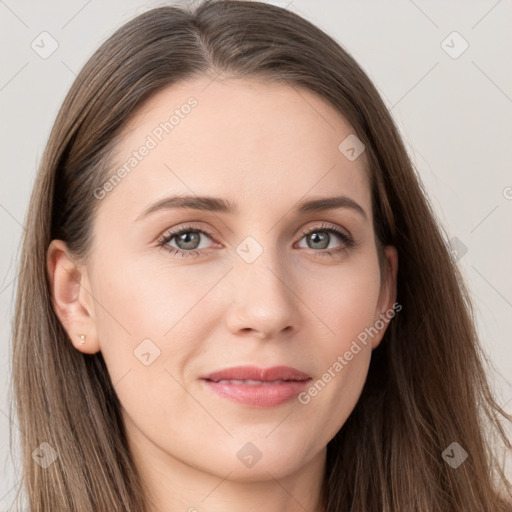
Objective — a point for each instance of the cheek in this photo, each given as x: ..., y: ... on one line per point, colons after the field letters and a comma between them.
x: 345, y: 298
x: 132, y: 318
x: 146, y: 339
x: 145, y: 299
x: 342, y: 363
x: 346, y: 303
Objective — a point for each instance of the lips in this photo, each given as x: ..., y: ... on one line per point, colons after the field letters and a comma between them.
x: 252, y: 375
x: 257, y: 387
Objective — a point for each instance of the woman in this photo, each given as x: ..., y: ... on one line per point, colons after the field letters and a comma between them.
x: 180, y: 343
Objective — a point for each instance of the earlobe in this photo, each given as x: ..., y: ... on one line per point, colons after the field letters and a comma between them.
x: 69, y: 288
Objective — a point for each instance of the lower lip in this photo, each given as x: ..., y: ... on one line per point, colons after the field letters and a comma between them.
x: 256, y: 395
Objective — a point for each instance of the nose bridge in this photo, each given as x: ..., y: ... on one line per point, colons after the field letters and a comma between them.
x: 261, y: 288
x: 262, y: 268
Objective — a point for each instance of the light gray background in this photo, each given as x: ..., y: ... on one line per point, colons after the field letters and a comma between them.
x: 454, y: 114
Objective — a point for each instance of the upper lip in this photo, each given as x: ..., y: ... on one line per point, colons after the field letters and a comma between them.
x: 258, y: 374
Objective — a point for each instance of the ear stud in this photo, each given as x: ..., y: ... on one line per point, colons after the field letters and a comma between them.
x: 82, y: 339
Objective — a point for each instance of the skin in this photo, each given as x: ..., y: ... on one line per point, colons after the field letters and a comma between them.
x: 267, y: 147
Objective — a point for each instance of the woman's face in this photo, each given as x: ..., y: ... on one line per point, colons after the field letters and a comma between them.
x: 244, y: 288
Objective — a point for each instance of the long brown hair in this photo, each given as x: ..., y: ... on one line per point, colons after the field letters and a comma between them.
x: 426, y: 387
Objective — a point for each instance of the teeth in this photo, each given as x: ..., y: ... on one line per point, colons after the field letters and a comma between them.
x: 250, y: 382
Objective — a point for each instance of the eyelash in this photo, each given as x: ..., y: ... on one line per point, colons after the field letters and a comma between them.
x: 347, y: 240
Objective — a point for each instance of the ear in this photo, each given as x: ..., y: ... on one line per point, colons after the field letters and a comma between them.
x: 71, y: 297
x: 386, y: 306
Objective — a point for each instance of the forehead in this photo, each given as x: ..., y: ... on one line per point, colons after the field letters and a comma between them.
x: 257, y: 142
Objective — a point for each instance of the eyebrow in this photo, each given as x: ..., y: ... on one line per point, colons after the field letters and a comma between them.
x: 219, y: 205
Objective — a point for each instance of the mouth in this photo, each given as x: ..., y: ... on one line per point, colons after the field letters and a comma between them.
x: 253, y: 386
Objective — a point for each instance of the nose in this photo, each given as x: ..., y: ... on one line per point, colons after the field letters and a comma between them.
x: 263, y: 301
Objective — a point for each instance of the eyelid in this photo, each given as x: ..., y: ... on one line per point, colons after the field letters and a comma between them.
x: 326, y: 226
x: 170, y: 233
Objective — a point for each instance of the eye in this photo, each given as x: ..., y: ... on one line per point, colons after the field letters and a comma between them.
x: 188, y: 240
x: 322, y: 239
